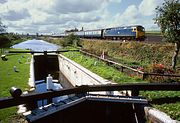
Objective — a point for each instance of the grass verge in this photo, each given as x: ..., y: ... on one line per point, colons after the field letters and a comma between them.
x: 101, y: 68
x: 9, y: 78
x: 166, y: 101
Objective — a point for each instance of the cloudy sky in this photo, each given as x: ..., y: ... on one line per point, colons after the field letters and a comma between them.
x: 54, y: 16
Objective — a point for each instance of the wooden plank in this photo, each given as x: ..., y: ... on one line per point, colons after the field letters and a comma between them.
x: 29, y: 98
x: 118, y: 100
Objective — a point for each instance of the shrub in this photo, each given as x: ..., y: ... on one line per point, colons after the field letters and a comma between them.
x: 71, y: 40
x: 4, y: 41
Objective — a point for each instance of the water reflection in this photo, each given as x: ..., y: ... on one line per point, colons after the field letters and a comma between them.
x: 36, y: 45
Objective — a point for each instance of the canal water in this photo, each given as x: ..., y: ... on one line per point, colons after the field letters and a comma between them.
x: 36, y: 45
x: 42, y: 87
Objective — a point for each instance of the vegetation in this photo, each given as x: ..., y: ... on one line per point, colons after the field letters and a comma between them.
x: 9, y: 78
x: 70, y: 40
x: 2, y: 27
x: 166, y: 101
x: 134, y: 54
x: 100, y: 68
x: 9, y: 39
x: 168, y: 19
x: 157, y: 33
x: 4, y: 41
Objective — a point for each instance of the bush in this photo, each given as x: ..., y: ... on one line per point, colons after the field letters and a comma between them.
x: 71, y: 40
x: 9, y: 39
x: 4, y: 41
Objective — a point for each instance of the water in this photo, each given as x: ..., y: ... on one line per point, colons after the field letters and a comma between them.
x: 41, y: 87
x: 36, y: 45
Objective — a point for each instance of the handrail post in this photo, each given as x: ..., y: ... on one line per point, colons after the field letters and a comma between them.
x: 144, y: 76
x: 134, y: 92
x: 122, y: 69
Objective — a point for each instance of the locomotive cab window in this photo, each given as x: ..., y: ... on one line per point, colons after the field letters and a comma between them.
x: 140, y: 29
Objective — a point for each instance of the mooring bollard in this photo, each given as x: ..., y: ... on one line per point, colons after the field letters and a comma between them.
x: 14, y: 68
x: 15, y: 92
x: 3, y: 57
x: 49, y: 82
x: 19, y: 61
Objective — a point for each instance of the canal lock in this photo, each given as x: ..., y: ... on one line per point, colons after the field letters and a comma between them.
x: 43, y: 65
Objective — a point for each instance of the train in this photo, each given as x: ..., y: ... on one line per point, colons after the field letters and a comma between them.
x: 136, y: 32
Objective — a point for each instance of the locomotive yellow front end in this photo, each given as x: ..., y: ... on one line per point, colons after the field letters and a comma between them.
x: 140, y: 33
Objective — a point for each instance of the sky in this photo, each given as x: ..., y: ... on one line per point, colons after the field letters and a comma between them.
x: 55, y: 16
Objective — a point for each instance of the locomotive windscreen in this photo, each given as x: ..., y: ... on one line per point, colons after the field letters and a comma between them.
x: 140, y: 28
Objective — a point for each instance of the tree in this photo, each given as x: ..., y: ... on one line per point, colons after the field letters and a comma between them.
x: 71, y: 40
x: 2, y: 27
x: 4, y: 40
x: 168, y: 19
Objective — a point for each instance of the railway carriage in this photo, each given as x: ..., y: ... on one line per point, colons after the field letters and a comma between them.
x: 93, y: 33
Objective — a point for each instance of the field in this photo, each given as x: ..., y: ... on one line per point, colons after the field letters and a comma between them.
x: 153, y: 33
x: 9, y: 78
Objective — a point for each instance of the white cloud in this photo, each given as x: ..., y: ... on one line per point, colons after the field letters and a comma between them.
x: 115, y: 1
x: 58, y: 15
x: 128, y: 17
x: 147, y: 7
x: 76, y: 6
x: 51, y: 12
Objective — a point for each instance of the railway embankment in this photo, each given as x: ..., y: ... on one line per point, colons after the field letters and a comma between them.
x: 151, y: 57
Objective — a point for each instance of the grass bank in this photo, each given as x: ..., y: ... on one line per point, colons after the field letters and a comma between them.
x: 133, y: 53
x: 101, y: 68
x: 166, y: 101
x: 9, y: 78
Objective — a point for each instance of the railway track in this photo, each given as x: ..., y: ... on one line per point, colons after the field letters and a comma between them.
x: 154, y: 38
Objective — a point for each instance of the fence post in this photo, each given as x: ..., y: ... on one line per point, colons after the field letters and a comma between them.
x: 122, y: 69
x: 144, y: 76
x: 134, y: 92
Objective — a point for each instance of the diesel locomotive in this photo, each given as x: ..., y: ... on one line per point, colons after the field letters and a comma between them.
x: 136, y: 32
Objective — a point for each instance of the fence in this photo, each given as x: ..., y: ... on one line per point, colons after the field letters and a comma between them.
x: 129, y: 70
